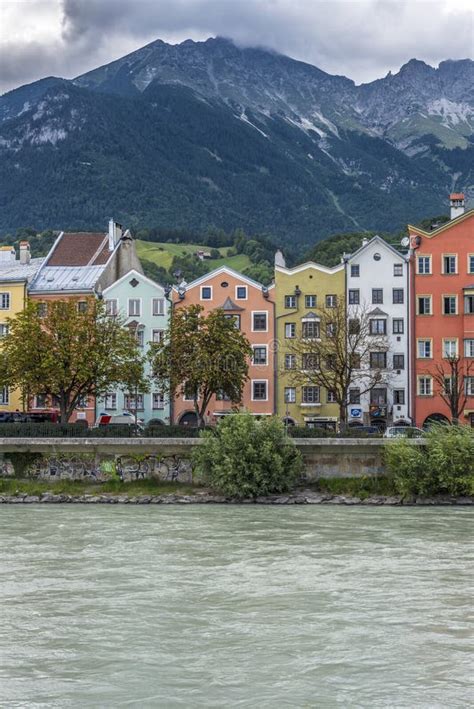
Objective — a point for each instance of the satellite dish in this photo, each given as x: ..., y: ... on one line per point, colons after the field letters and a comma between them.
x: 405, y: 241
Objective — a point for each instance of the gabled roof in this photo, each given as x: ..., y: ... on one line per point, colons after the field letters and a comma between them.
x: 447, y: 225
x: 229, y: 305
x: 309, y: 264
x: 382, y: 243
x: 80, y: 249
x: 133, y: 274
x: 15, y: 272
x: 227, y: 270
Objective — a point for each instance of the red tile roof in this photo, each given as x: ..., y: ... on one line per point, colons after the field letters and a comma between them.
x: 456, y: 195
x: 80, y: 249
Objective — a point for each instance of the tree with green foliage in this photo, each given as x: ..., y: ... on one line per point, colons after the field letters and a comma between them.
x: 69, y: 354
x: 246, y: 457
x: 200, y: 356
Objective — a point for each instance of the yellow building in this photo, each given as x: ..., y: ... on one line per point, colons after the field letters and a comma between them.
x: 15, y: 274
x: 299, y: 292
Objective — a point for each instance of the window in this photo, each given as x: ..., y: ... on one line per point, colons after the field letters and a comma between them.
x: 398, y: 296
x: 469, y: 384
x: 378, y: 396
x: 140, y: 334
x: 41, y: 401
x: 310, y: 361
x: 241, y: 292
x: 290, y: 361
x: 354, y: 396
x: 378, y: 360
x: 450, y: 348
x: 354, y: 296
x: 399, y: 396
x: 42, y: 310
x: 378, y: 326
x: 134, y: 307
x: 4, y: 396
x: 157, y: 335
x: 330, y: 362
x: 206, y: 292
x: 398, y: 269
x: 222, y: 396
x: 290, y: 395
x: 4, y: 330
x: 424, y: 305
x: 290, y: 330
x: 259, y: 322
x: 469, y: 304
x: 448, y: 385
x: 130, y: 404
x: 158, y: 401
x: 331, y: 329
x: 311, y: 330
x: 290, y: 301
x: 4, y: 301
x: 355, y: 270
x: 189, y: 392
x: 82, y: 306
x: 450, y: 304
x: 81, y: 403
x: 260, y: 354
x: 469, y: 348
x: 111, y: 307
x: 354, y: 326
x: 110, y: 402
x: 424, y: 349
x: 158, y: 306
x: 399, y: 361
x: 259, y: 390
x: 425, y: 386
x: 377, y: 296
x: 470, y: 263
x: 331, y: 396
x: 423, y: 265
x: 331, y: 300
x: 450, y: 264
x: 355, y: 360
x: 310, y: 395
x: 310, y: 301
x: 398, y: 326
x: 235, y: 318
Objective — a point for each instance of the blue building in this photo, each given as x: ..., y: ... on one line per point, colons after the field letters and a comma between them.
x: 146, y: 310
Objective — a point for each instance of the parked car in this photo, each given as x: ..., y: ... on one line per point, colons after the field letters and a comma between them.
x: 124, y: 419
x: 403, y: 432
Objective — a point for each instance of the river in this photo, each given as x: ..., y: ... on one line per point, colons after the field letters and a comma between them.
x: 236, y: 606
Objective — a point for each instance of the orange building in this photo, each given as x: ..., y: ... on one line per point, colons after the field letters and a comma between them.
x: 252, y: 306
x: 442, y: 309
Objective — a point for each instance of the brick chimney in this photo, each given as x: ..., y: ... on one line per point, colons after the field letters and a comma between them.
x: 456, y: 201
x: 25, y: 254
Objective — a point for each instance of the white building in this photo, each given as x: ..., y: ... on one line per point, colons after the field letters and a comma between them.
x: 377, y: 283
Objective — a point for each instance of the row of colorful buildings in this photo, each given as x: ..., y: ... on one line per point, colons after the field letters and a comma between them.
x: 419, y: 302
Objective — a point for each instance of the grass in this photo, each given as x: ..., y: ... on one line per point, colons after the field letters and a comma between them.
x: 14, y: 486
x: 355, y: 487
x: 162, y: 254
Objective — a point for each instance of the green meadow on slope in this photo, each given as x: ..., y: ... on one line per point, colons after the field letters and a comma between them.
x: 162, y: 254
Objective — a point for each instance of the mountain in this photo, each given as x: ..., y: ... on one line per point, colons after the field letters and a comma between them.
x: 211, y: 134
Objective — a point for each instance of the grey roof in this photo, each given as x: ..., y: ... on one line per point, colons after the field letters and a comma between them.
x: 16, y: 271
x: 378, y: 311
x: 230, y: 305
x: 66, y: 278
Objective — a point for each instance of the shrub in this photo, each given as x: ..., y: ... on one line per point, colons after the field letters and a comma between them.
x: 244, y: 457
x: 444, y: 466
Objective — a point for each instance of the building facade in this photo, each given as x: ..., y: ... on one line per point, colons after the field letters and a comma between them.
x: 145, y: 309
x: 377, y: 288
x: 442, y: 309
x: 251, y: 305
x: 15, y: 274
x: 299, y: 292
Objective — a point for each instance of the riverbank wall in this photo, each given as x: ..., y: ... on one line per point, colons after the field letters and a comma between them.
x: 130, y: 459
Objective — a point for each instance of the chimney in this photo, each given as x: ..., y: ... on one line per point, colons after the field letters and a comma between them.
x: 365, y: 242
x: 456, y: 201
x: 115, y: 234
x: 25, y: 254
x: 280, y: 259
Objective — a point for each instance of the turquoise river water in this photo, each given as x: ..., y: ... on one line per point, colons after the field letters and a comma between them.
x: 236, y: 606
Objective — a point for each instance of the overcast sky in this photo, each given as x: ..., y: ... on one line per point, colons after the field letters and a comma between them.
x: 362, y: 39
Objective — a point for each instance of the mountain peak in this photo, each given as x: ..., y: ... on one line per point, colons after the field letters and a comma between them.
x: 415, y: 66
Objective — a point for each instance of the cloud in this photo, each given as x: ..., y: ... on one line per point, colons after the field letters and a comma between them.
x: 362, y: 40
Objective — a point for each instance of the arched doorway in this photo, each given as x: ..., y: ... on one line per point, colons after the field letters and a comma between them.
x: 435, y: 418
x: 288, y: 421
x: 188, y: 419
x: 380, y: 423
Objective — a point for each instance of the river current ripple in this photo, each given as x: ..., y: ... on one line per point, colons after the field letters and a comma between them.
x: 236, y: 606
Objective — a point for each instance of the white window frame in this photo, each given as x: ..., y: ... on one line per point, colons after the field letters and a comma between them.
x: 469, y: 385
x: 330, y: 300
x: 291, y: 298
x: 157, y: 394
x: 470, y: 266
x: 246, y: 292
x: 426, y: 296
x: 212, y: 292
x: 114, y: 303
x: 155, y: 330
x: 450, y: 340
x: 289, y: 354
x: 4, y: 396
x: 140, y: 398
x: 310, y: 403
x: 449, y: 273
x: 111, y: 395
x: 423, y: 272
x: 306, y: 299
x: 424, y: 378
x: 260, y: 364
x: 290, y: 399
x: 422, y: 342
x: 135, y: 300
x: 4, y: 329
x: 395, y: 267
x: 5, y: 294
x: 259, y: 381
x: 469, y: 348
x: 292, y: 326
x: 451, y: 296
x: 260, y: 312
x: 163, y: 304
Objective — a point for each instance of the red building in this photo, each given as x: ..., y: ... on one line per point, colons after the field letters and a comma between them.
x: 442, y: 311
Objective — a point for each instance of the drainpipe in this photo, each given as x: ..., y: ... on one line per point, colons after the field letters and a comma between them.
x: 168, y: 291
x: 293, y: 311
